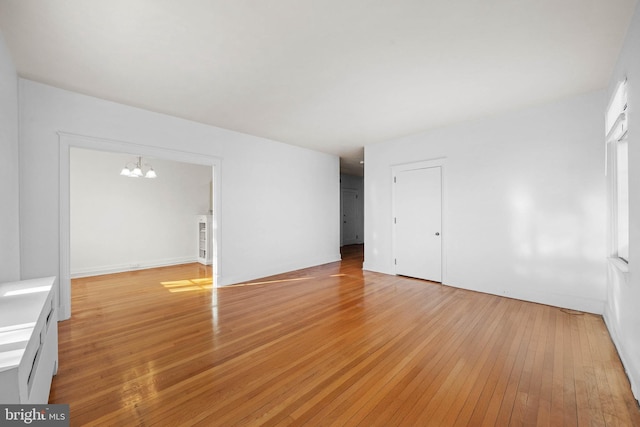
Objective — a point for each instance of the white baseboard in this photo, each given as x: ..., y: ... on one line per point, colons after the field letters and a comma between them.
x: 120, y: 268
x: 376, y: 269
x: 241, y: 278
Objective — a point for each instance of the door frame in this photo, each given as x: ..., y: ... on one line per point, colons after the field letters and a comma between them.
x: 444, y: 232
x: 66, y: 142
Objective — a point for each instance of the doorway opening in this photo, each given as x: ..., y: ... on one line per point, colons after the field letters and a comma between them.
x: 110, y: 149
x: 351, y: 210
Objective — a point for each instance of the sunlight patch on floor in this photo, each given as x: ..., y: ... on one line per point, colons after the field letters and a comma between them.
x: 188, y: 285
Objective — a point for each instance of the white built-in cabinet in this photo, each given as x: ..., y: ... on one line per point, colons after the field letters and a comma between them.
x: 205, y: 236
x: 28, y: 340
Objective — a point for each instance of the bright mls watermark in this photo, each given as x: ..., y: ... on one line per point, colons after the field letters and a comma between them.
x: 34, y: 415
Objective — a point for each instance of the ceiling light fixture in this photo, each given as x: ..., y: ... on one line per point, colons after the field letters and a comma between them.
x: 134, y: 170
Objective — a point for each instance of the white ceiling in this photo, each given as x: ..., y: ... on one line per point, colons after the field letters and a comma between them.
x: 330, y: 75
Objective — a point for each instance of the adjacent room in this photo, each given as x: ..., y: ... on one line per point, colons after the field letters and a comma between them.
x: 336, y: 213
x: 121, y: 222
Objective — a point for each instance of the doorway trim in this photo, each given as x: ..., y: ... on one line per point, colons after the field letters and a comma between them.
x: 423, y: 164
x: 68, y: 140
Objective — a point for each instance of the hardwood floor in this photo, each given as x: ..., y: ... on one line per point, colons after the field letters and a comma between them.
x: 329, y: 345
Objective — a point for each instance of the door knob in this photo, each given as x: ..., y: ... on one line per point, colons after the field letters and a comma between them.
x: 437, y: 234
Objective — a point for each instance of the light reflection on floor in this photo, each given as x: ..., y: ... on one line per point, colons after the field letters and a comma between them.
x: 186, y: 285
x: 189, y: 285
x: 269, y: 282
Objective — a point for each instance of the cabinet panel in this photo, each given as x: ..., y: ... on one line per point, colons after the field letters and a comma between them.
x: 28, y: 340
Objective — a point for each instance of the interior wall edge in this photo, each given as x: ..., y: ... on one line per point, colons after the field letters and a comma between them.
x: 634, y: 377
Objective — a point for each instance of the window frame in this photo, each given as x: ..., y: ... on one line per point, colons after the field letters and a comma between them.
x: 616, y: 119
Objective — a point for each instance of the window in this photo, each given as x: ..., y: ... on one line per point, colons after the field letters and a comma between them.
x: 618, y: 171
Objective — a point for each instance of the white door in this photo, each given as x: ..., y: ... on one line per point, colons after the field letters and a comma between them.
x: 418, y: 222
x: 349, y: 217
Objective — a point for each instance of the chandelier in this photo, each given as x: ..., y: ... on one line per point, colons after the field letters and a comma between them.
x: 135, y: 170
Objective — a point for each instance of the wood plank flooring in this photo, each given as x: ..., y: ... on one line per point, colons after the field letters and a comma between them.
x: 330, y: 345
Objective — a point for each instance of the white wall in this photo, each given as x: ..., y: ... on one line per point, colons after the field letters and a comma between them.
x: 120, y: 223
x: 622, y: 312
x: 9, y: 178
x: 279, y: 203
x: 524, y: 202
x: 353, y: 182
